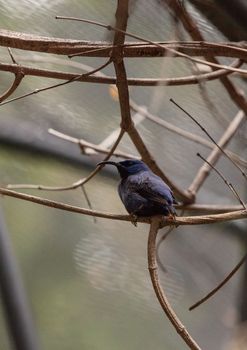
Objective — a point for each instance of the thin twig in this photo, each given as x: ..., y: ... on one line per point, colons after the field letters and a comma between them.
x: 184, y: 133
x: 173, y: 51
x: 210, y: 137
x: 88, y: 201
x: 232, y: 189
x: 76, y: 78
x: 221, y: 284
x: 191, y: 26
x: 11, y: 55
x: 88, y: 145
x: 153, y: 271
x: 74, y: 185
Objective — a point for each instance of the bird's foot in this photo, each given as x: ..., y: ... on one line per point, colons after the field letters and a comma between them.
x: 134, y: 219
x: 172, y: 217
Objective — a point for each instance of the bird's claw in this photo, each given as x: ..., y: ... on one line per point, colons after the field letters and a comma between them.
x: 172, y: 217
x: 134, y: 219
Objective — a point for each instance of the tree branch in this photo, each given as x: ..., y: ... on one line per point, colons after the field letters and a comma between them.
x: 187, y: 80
x: 153, y: 271
x: 217, y: 152
x: 32, y: 42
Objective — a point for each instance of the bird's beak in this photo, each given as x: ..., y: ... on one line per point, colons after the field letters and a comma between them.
x: 119, y: 166
x: 106, y: 162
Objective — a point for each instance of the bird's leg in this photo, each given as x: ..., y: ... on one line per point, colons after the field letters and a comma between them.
x: 134, y: 219
x: 172, y: 216
x: 134, y: 216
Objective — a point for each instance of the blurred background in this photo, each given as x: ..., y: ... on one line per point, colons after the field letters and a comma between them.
x: 87, y: 282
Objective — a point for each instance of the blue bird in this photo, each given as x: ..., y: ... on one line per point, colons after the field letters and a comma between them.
x: 142, y: 192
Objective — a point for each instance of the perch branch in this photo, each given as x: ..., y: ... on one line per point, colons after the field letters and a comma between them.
x: 183, y: 221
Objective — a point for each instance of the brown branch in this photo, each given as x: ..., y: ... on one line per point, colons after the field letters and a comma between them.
x: 153, y: 271
x: 123, y: 94
x: 76, y: 78
x: 76, y: 184
x: 184, y: 133
x: 167, y: 221
x: 220, y: 285
x: 62, y: 46
x: 230, y: 186
x: 166, y: 49
x: 187, y: 80
x: 225, y: 138
x: 190, y: 25
x: 217, y: 152
x: 18, y: 78
x: 209, y: 208
x: 85, y: 145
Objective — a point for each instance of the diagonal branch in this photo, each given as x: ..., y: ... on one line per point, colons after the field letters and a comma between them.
x: 184, y: 133
x: 217, y: 152
x: 123, y: 93
x: 189, y: 24
x: 75, y: 78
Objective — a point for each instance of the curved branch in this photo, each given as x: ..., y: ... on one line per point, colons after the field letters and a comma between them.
x: 75, y: 78
x: 153, y: 271
x: 18, y: 78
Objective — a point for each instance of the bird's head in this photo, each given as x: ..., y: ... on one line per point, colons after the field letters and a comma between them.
x: 128, y: 167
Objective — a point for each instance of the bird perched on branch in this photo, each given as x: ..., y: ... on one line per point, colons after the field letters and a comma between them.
x: 142, y: 192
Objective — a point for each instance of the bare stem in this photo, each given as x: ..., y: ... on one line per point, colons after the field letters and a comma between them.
x: 75, y: 78
x: 230, y: 186
x: 153, y: 271
x: 230, y: 131
x: 173, y: 51
x: 220, y: 285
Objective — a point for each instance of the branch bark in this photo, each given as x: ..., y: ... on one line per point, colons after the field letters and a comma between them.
x: 153, y: 271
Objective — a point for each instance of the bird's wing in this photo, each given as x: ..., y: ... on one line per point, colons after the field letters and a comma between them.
x: 151, y: 187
